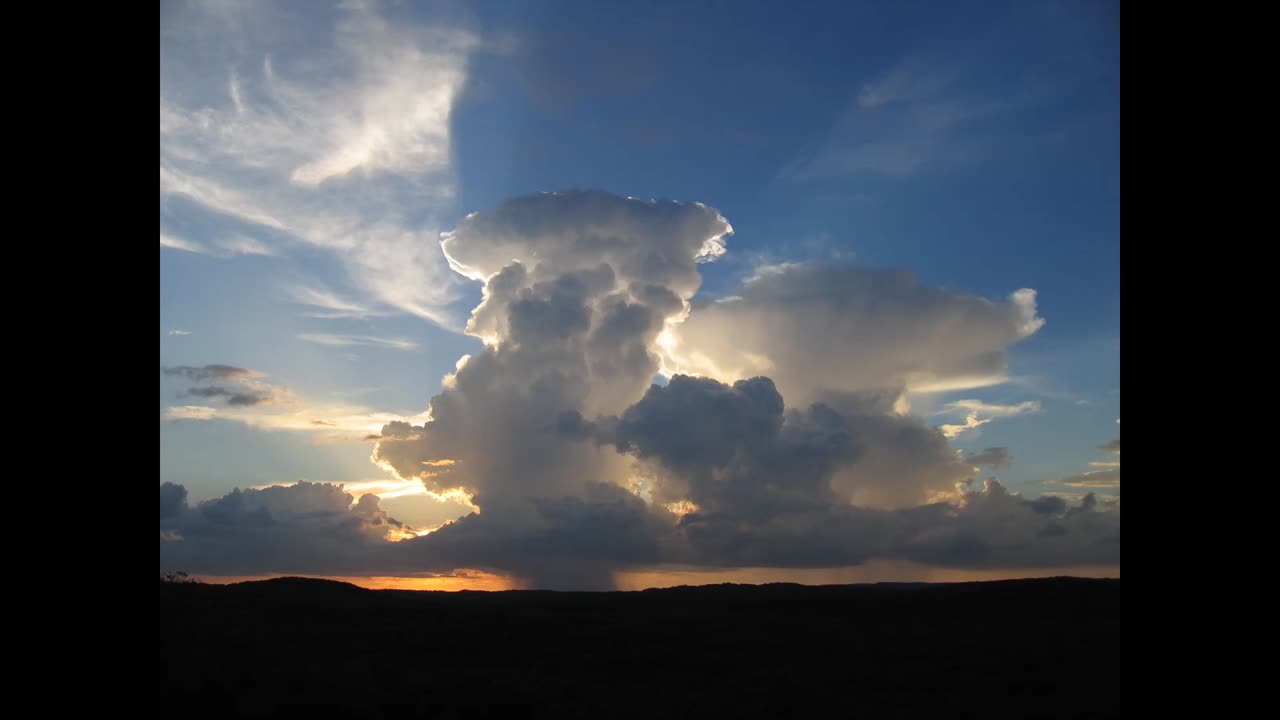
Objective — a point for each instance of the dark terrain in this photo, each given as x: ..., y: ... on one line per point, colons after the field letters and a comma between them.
x: 1024, y: 649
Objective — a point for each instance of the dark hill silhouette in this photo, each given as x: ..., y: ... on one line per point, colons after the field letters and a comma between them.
x: 304, y: 584
x: 1022, y: 648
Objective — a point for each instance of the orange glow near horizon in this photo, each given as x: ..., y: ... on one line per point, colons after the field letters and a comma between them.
x: 871, y: 572
x: 468, y: 580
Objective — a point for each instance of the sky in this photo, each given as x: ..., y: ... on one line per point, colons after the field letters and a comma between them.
x: 583, y: 296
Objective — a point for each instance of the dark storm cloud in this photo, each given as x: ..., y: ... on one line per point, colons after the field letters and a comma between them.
x: 999, y: 528
x: 906, y: 462
x: 236, y: 386
x: 209, y: 372
x: 733, y: 449
x: 578, y: 542
x: 173, y: 500
x: 996, y: 457
x: 563, y: 543
x: 234, y: 397
x: 308, y: 527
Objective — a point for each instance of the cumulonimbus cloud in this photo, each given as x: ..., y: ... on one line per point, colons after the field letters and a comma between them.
x: 579, y: 466
x: 578, y: 286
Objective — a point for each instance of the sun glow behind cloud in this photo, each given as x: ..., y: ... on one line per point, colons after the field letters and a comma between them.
x: 390, y: 488
x: 420, y: 511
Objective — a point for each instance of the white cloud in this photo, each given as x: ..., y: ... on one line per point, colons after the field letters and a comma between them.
x: 1109, y: 478
x: 225, y: 199
x: 226, y: 247
x: 907, y: 82
x: 974, y: 410
x: 248, y: 400
x: 916, y: 117
x: 992, y: 409
x: 331, y: 145
x: 179, y: 332
x: 578, y: 286
x: 387, y: 489
x: 177, y: 243
x: 333, y: 305
x: 332, y: 340
x: 245, y: 245
x: 819, y: 329
x: 190, y: 412
x: 971, y: 421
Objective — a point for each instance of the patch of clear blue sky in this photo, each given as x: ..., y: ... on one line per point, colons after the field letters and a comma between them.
x: 714, y: 101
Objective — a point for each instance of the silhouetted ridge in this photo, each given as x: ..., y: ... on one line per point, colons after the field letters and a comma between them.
x: 298, y: 584
x: 1005, y: 649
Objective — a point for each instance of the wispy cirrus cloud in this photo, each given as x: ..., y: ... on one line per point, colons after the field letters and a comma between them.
x: 333, y: 340
x: 328, y: 304
x: 914, y: 116
x: 179, y: 332
x: 944, y: 108
x: 245, y: 245
x: 911, y: 81
x: 994, y: 410
x: 176, y: 243
x: 1109, y: 478
x: 190, y: 412
x: 328, y: 144
x: 231, y: 246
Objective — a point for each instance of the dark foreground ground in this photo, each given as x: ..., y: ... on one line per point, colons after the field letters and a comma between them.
x: 1024, y: 649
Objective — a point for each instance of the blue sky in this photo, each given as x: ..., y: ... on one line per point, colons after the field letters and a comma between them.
x: 311, y: 155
